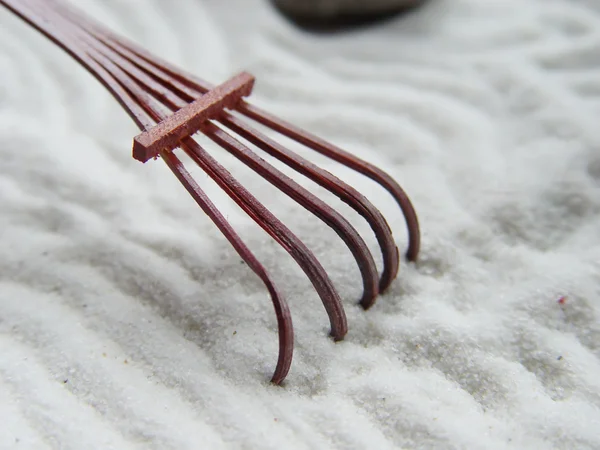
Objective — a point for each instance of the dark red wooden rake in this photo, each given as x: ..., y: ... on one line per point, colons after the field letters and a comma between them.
x: 170, y: 106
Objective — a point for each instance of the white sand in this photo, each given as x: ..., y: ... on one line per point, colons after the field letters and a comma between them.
x: 127, y: 321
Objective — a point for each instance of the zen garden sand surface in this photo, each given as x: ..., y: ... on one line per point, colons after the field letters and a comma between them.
x: 128, y: 321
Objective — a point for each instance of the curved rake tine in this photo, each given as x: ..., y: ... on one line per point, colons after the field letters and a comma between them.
x: 282, y: 311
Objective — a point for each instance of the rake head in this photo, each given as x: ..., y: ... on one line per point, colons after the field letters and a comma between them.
x: 170, y: 106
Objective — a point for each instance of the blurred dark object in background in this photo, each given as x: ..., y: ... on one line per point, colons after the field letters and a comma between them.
x: 333, y: 15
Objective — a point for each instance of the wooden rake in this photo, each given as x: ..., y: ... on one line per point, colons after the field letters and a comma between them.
x: 170, y: 106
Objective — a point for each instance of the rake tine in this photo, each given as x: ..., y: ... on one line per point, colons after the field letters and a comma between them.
x: 282, y: 311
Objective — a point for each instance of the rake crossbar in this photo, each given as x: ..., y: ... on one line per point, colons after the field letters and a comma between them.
x: 184, y: 122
